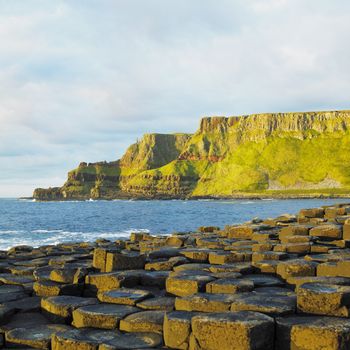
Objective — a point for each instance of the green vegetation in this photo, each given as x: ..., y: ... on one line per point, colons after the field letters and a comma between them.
x: 292, y: 154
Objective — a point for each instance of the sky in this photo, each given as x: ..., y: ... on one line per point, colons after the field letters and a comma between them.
x: 81, y: 80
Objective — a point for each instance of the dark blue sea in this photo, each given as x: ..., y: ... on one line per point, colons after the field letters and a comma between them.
x: 41, y: 223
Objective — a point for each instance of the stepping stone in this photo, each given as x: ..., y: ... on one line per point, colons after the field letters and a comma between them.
x: 166, y: 265
x: 109, y: 281
x: 158, y: 303
x: 130, y: 261
x: 266, y: 266
x: 42, y: 273
x: 211, y: 331
x: 124, y: 296
x: 240, y: 231
x: 177, y: 329
x: 85, y: 339
x: 259, y: 256
x: 164, y: 253
x: 154, y: 279
x: 8, y: 278
x: 59, y: 309
x: 242, y: 268
x: 22, y: 270
x: 273, y: 305
x: 133, y: 341
x: 106, y: 316
x: 311, y: 213
x: 190, y: 273
x: 68, y: 275
x: 196, y: 255
x: 276, y: 291
x: 294, y: 230
x: 144, y: 321
x: 36, y: 337
x: 297, y: 248
x: 187, y: 285
x: 263, y: 280
x: 222, y: 257
x: 324, y: 299
x: 50, y: 288
x: 298, y: 281
x: 327, y: 231
x: 192, y: 266
x: 231, y: 275
x: 230, y: 286
x: 205, y: 302
x: 11, y: 292
x: 6, y: 311
x: 312, y: 333
x: 296, y: 267
x: 24, y: 320
x: 28, y: 304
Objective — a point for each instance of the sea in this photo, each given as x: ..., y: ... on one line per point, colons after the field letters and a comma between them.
x: 43, y: 223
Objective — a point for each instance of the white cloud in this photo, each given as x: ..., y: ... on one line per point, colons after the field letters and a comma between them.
x: 82, y: 80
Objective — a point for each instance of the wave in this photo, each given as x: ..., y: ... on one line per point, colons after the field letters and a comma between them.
x: 40, y: 237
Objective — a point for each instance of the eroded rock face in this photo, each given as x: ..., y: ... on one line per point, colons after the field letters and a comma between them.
x: 183, y: 165
x: 245, y: 292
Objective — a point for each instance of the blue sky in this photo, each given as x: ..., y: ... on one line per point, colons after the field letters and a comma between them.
x: 81, y: 80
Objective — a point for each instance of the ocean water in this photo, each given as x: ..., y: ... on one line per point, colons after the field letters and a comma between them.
x: 41, y: 223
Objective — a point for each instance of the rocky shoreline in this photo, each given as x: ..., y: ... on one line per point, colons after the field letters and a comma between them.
x: 233, y: 197
x: 279, y: 283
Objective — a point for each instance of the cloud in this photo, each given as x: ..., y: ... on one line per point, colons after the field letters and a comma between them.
x: 81, y: 80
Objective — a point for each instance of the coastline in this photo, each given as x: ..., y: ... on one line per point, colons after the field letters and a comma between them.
x: 168, y: 291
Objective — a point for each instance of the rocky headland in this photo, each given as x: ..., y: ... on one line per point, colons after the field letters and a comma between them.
x: 268, y: 284
x: 285, y: 155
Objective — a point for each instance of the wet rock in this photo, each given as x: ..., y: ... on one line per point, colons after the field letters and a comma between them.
x: 59, y: 309
x: 27, y: 304
x: 124, y: 296
x: 264, y: 280
x: 242, y: 268
x: 106, y: 316
x: 11, y: 292
x: 205, y: 302
x: 154, y: 279
x: 36, y: 337
x: 145, y: 321
x: 273, y: 305
x: 158, y: 303
x: 133, y: 341
x: 7, y: 278
x: 211, y: 331
x: 82, y: 339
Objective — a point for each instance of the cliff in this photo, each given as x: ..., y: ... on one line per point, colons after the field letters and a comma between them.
x: 276, y: 154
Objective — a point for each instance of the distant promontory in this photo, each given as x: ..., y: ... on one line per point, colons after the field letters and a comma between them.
x: 281, y: 155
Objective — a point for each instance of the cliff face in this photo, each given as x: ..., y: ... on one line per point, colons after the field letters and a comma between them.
x: 260, y: 154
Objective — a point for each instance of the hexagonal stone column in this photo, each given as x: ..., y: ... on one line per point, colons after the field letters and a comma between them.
x: 232, y: 331
x: 324, y: 299
x: 312, y: 333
